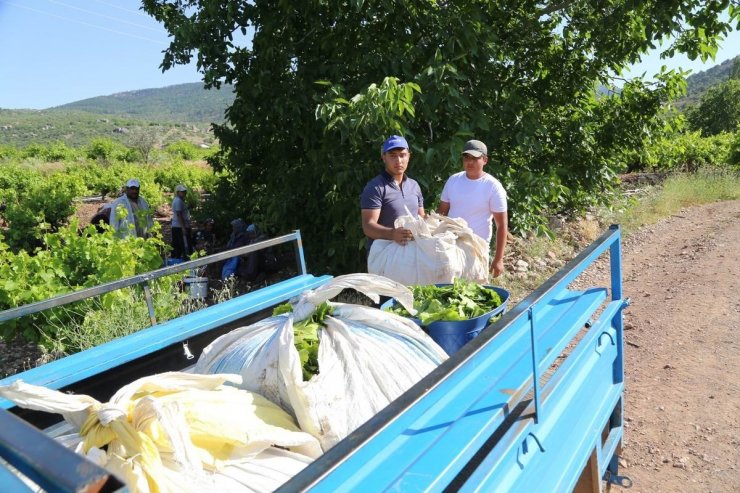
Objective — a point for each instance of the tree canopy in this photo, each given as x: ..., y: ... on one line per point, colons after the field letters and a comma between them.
x: 319, y: 84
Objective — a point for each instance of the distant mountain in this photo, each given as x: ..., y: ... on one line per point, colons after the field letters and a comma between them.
x: 697, y: 84
x: 182, y: 103
x: 179, y: 112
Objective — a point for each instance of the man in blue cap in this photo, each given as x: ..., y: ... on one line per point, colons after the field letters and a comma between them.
x: 388, y: 195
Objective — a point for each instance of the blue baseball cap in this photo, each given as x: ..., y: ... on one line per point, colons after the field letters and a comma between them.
x: 394, y: 142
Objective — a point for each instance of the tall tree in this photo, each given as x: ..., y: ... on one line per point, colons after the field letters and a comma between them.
x: 719, y: 109
x: 320, y: 83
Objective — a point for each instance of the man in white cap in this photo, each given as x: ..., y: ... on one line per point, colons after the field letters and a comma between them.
x: 478, y: 197
x: 182, y: 243
x: 130, y: 213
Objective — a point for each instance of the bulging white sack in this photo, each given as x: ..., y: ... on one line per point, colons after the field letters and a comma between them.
x: 367, y: 358
x: 180, y: 432
x: 443, y: 249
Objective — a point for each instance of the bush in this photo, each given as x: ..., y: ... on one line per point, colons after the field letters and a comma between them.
x: 69, y: 261
x: 734, y: 158
x: 688, y: 152
x: 46, y: 204
x: 107, y: 150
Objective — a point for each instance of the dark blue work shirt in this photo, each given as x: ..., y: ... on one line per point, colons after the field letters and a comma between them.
x: 383, y: 193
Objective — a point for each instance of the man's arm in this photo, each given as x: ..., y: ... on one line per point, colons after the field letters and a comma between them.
x: 502, y: 231
x: 443, y: 208
x: 376, y: 231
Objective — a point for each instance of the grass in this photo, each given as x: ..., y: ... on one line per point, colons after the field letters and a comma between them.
x: 653, y: 204
x: 106, y: 322
x: 677, y: 192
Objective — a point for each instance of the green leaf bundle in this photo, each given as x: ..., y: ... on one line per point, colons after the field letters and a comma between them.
x: 306, y: 336
x: 461, y: 300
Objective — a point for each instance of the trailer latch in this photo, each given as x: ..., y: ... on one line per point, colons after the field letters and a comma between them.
x: 185, y: 348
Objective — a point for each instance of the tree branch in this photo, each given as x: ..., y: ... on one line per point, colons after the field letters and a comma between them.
x: 555, y: 7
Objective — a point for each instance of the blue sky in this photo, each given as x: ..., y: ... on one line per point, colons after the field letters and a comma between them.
x: 59, y: 51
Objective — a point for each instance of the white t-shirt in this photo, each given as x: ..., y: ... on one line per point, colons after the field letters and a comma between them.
x: 475, y: 201
x: 179, y: 205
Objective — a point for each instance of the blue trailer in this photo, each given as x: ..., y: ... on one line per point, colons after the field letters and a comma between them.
x: 534, y: 403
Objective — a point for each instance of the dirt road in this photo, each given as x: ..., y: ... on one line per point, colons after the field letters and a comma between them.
x: 682, y: 403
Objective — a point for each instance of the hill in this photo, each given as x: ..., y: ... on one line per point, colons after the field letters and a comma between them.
x: 182, y: 103
x: 179, y: 112
x: 697, y: 84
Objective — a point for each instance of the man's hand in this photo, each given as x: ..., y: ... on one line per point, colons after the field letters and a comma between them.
x: 497, y: 268
x: 402, y: 235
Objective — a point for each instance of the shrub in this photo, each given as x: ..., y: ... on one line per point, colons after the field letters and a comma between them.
x: 688, y: 152
x: 69, y: 260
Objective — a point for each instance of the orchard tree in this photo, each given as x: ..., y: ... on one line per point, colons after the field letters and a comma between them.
x: 319, y: 84
x: 719, y: 109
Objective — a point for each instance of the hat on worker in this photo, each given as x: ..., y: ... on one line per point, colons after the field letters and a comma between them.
x: 181, y: 188
x: 394, y: 142
x: 133, y: 182
x: 475, y: 148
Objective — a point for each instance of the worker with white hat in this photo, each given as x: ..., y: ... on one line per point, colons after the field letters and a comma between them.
x: 182, y: 243
x: 130, y: 214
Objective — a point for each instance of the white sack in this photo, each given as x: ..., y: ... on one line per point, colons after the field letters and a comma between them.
x: 443, y: 249
x: 367, y: 358
x: 180, y: 432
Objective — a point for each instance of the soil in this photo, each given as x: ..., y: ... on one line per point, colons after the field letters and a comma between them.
x: 681, y: 348
x: 681, y: 352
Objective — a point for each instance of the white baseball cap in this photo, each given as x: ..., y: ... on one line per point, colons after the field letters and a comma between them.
x: 181, y: 188
x: 133, y: 182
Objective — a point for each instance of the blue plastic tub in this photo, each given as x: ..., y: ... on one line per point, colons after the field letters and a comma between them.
x: 453, y: 335
x: 173, y: 261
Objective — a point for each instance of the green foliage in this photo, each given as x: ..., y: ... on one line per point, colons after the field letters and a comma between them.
x: 687, y: 152
x: 188, y: 151
x: 697, y: 84
x: 39, y: 204
x: 306, y: 336
x: 530, y: 98
x: 462, y: 300
x: 21, y: 128
x: 68, y: 260
x: 192, y: 176
x: 734, y: 157
x: 106, y: 150
x: 94, y: 323
x: 719, y: 110
x: 8, y: 152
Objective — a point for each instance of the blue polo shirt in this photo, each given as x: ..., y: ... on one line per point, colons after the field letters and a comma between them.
x: 383, y: 193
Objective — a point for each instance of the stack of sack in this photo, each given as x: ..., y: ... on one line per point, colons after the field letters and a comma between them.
x: 180, y: 432
x: 366, y: 357
x: 443, y: 249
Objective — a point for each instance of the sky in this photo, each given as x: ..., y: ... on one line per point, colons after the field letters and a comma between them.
x: 54, y: 52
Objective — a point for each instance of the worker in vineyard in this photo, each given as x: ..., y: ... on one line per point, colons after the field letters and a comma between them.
x: 182, y: 240
x: 130, y: 214
x: 205, y: 237
x: 480, y: 199
x: 388, y: 195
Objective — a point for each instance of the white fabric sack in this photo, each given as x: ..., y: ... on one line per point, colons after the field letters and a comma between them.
x: 443, y: 249
x: 367, y: 358
x: 180, y: 432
